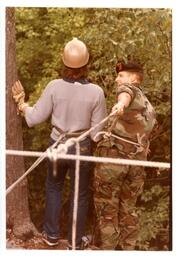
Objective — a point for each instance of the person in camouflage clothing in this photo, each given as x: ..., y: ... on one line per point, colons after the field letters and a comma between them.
x: 117, y: 187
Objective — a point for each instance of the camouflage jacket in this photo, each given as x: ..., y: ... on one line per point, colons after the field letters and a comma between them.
x: 134, y: 125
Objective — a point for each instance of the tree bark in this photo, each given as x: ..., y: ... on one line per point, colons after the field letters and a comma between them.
x: 17, y: 208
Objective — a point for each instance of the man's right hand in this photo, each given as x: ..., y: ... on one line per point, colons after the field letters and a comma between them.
x: 19, y: 97
x: 18, y: 92
x: 119, y: 108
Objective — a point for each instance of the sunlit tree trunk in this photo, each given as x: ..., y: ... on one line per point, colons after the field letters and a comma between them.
x: 18, y: 217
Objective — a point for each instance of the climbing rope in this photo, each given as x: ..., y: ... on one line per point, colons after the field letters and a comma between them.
x: 76, y: 193
x: 60, y: 152
x: 54, y: 158
x: 95, y: 159
x: 67, y: 144
x: 32, y: 167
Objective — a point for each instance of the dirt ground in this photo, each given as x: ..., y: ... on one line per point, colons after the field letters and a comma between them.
x: 36, y: 243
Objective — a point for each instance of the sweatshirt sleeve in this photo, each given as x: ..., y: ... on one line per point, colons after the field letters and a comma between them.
x: 41, y: 110
x: 98, y: 114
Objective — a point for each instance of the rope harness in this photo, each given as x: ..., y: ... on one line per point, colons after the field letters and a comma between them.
x: 139, y: 145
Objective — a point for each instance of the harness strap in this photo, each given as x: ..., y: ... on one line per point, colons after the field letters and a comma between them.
x: 142, y: 144
x: 139, y: 146
x: 70, y: 134
x: 125, y: 140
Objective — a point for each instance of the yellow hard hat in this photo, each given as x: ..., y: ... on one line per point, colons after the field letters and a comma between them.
x: 75, y: 54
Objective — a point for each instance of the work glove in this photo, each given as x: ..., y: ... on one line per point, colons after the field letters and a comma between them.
x: 19, y: 96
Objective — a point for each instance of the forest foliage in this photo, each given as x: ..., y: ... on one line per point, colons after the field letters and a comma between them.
x: 110, y: 34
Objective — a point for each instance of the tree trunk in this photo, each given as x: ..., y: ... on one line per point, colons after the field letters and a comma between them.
x: 17, y: 208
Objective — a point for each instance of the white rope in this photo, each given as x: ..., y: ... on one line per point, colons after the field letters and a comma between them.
x: 61, y: 153
x: 12, y: 186
x: 110, y: 134
x: 76, y: 195
x: 32, y: 167
x: 93, y: 159
x: 38, y: 161
x: 52, y: 155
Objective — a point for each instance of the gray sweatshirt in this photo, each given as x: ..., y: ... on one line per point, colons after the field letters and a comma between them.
x: 73, y: 106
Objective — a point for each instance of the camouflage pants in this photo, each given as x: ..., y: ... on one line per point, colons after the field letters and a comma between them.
x: 116, y: 189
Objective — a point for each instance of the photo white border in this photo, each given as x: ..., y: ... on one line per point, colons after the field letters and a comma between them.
x: 176, y: 116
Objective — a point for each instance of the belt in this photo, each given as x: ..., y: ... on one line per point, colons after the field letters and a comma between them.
x: 70, y: 134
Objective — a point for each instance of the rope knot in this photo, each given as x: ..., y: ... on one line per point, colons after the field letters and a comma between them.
x: 62, y: 149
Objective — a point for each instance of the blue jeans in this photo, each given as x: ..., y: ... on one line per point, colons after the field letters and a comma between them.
x: 54, y: 191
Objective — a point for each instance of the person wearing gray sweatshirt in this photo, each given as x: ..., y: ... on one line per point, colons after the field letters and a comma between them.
x: 74, y: 105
